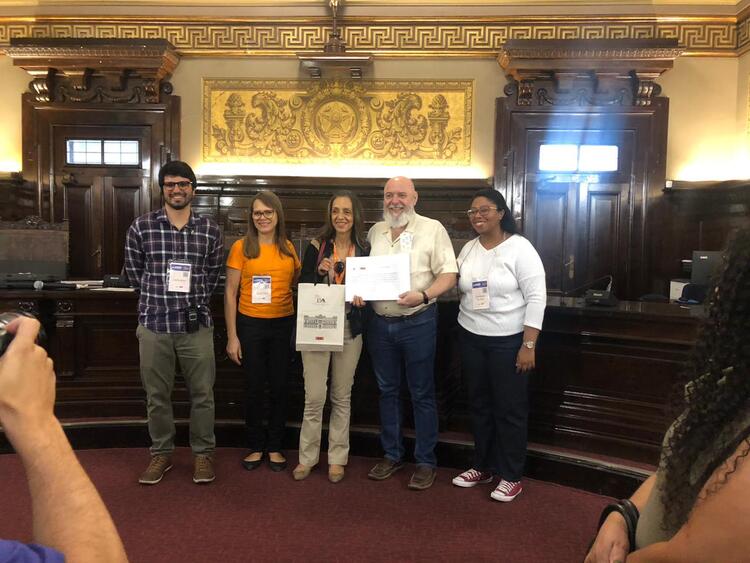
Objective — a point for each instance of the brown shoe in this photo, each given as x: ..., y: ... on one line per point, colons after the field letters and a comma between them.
x: 422, y: 478
x: 203, y: 469
x: 301, y: 472
x: 335, y: 473
x: 157, y: 467
x: 384, y: 469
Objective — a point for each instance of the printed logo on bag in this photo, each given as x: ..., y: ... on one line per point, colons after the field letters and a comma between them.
x: 320, y: 299
x: 320, y: 322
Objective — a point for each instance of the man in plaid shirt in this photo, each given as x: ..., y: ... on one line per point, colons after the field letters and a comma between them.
x: 173, y: 259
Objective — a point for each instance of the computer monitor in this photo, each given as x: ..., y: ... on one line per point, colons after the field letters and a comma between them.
x: 705, y: 263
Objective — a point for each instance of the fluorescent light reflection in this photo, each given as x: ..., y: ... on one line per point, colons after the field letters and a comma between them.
x: 719, y: 163
x: 343, y: 169
x: 10, y: 165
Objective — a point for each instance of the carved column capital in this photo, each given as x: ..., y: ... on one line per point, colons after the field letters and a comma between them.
x: 86, y: 70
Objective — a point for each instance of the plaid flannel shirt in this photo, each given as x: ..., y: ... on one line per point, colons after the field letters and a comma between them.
x: 152, y: 241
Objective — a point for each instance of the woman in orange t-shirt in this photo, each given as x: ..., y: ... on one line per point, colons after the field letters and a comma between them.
x: 262, y: 268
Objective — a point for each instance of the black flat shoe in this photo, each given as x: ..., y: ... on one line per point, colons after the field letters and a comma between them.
x: 277, y: 466
x: 250, y: 465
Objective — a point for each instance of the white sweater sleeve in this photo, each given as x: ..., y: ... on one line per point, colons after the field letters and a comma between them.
x: 531, y: 279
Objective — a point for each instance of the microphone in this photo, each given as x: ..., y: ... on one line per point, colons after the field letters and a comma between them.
x: 601, y: 298
x: 39, y: 285
x: 587, y: 285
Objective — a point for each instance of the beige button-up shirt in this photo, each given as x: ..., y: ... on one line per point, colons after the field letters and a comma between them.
x: 431, y: 255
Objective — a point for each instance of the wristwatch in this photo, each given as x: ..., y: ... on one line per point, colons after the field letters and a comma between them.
x: 425, y: 299
x: 530, y: 344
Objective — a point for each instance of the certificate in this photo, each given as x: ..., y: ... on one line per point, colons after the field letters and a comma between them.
x: 377, y: 278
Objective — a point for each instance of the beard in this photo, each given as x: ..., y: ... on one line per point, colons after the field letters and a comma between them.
x: 401, y: 221
x: 186, y: 199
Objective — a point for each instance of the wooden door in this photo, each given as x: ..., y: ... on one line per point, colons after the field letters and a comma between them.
x: 585, y: 223
x: 579, y: 220
x: 99, y: 200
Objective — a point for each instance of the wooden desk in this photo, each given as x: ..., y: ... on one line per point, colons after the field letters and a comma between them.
x: 601, y: 386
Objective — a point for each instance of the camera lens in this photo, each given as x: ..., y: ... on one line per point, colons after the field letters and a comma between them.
x: 5, y: 336
x: 338, y: 267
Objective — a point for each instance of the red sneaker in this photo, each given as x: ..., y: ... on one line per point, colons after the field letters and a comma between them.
x: 472, y: 477
x: 506, y: 491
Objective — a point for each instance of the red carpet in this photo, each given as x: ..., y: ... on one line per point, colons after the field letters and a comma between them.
x: 266, y: 516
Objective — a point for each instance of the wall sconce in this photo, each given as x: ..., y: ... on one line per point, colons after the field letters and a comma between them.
x: 334, y: 60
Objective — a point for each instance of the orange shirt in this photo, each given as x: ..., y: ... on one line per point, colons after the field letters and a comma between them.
x: 283, y: 271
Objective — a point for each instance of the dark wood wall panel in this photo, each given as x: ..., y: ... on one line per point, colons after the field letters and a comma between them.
x: 84, y: 218
x: 548, y: 232
x: 305, y: 201
x: 601, y: 386
x: 604, y: 376
x: 603, y: 230
x: 122, y: 205
x: 697, y: 216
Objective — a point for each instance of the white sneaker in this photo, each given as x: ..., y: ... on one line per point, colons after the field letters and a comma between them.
x: 506, y: 491
x: 472, y: 477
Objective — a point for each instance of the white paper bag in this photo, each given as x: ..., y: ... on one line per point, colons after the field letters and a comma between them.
x: 320, y: 317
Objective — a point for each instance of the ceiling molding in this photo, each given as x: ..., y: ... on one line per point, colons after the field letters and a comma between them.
x: 386, y: 37
x: 363, y: 3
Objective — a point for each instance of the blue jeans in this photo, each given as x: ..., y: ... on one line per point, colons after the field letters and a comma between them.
x: 398, y: 345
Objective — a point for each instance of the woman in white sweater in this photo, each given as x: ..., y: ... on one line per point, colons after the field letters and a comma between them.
x: 503, y: 295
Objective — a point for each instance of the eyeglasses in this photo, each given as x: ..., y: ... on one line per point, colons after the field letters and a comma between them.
x: 267, y: 213
x: 338, y: 267
x: 483, y: 211
x: 183, y: 185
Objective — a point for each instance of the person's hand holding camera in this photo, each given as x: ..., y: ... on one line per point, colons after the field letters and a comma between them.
x: 27, y: 381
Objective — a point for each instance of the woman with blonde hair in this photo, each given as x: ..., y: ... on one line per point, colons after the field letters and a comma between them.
x: 262, y: 269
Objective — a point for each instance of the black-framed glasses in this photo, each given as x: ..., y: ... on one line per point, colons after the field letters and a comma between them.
x: 483, y: 211
x: 267, y: 213
x: 338, y: 267
x: 182, y: 184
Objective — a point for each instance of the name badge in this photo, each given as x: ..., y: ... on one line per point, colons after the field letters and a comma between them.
x: 178, y: 276
x: 480, y: 295
x: 261, y: 289
x: 406, y: 240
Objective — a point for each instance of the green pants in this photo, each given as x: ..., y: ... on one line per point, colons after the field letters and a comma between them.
x: 195, y: 353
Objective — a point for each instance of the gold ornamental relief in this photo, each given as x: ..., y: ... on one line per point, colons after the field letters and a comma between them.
x: 387, y: 122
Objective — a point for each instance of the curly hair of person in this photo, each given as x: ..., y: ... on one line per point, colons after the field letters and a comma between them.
x: 718, y: 391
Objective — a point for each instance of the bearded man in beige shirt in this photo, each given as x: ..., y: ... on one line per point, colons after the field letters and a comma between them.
x: 402, y: 333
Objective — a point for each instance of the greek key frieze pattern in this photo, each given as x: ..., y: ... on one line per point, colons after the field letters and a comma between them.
x: 743, y: 34
x: 465, y: 37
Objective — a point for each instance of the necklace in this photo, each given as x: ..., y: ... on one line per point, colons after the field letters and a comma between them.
x: 505, y: 236
x: 339, y: 263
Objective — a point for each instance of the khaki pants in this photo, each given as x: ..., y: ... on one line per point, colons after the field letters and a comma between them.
x: 343, y: 366
x: 195, y: 353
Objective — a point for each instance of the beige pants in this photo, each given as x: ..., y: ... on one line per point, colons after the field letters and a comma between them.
x: 343, y: 366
